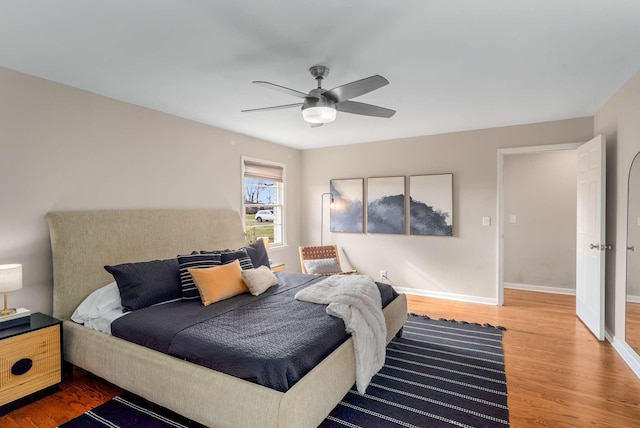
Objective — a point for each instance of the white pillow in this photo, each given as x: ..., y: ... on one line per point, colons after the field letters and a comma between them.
x: 103, y: 323
x: 322, y: 265
x: 259, y: 280
x: 98, y: 303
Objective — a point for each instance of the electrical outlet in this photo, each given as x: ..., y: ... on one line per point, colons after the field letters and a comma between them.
x: 383, y: 274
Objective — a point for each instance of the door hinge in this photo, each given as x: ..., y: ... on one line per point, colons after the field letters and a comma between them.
x: 600, y: 247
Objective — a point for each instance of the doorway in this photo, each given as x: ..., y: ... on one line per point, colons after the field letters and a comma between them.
x: 513, y: 220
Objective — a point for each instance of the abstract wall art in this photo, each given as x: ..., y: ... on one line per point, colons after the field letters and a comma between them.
x: 431, y: 204
x: 386, y: 205
x: 347, y: 205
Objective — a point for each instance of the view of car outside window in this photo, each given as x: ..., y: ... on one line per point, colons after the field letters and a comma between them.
x: 263, y: 208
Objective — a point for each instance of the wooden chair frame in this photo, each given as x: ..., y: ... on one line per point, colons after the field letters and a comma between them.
x: 321, y: 252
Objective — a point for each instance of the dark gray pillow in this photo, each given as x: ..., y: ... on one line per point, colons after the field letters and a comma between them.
x: 196, y: 261
x: 258, y: 254
x: 144, y: 284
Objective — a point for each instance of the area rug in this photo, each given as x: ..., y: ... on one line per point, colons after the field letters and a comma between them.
x: 441, y: 373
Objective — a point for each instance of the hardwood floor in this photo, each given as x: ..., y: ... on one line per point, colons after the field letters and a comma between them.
x: 79, y: 392
x: 633, y: 325
x: 558, y: 374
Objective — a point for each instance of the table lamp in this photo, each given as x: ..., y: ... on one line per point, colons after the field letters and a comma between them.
x: 10, y: 280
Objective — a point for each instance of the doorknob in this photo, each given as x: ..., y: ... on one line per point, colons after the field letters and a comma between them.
x: 605, y: 247
x: 594, y: 246
x: 631, y: 248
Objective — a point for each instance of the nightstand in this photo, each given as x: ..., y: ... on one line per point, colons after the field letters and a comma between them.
x: 30, y: 360
x: 277, y: 267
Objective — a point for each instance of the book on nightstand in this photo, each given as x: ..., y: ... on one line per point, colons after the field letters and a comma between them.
x: 19, y: 317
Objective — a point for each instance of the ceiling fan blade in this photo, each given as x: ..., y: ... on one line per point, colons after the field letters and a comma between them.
x: 364, y: 109
x: 272, y: 108
x: 355, y: 89
x: 283, y: 89
x: 315, y: 125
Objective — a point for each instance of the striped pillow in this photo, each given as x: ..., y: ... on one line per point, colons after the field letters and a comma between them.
x: 194, y: 261
x: 228, y: 256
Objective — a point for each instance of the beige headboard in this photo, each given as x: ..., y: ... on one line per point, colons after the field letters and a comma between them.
x: 82, y: 242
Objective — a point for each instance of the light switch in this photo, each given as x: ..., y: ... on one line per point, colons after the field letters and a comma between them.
x: 486, y: 221
x: 512, y: 218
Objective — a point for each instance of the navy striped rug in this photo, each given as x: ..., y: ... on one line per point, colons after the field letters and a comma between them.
x: 439, y: 374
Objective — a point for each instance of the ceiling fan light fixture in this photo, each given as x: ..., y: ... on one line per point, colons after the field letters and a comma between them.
x: 320, y: 114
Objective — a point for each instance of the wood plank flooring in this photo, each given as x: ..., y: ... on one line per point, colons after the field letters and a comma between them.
x: 633, y: 325
x: 558, y: 374
x: 79, y: 392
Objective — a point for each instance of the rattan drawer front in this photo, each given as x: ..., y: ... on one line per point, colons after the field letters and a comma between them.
x: 42, y: 347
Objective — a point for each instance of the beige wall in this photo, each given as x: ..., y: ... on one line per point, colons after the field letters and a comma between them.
x: 67, y: 149
x: 64, y: 148
x: 462, y: 266
x: 540, y: 246
x: 619, y: 121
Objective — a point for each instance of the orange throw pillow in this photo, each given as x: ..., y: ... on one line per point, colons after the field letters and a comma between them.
x: 219, y: 282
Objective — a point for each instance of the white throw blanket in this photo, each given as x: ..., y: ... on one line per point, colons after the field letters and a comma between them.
x: 356, y: 299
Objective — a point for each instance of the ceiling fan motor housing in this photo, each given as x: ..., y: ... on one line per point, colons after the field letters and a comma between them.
x: 319, y: 71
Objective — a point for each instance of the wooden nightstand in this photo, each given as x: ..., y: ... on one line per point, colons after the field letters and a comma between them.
x: 277, y: 267
x: 30, y: 360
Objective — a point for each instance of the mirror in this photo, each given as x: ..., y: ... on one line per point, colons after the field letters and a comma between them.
x: 632, y: 314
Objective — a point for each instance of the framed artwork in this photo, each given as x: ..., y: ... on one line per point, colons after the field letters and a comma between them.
x: 347, y: 205
x: 431, y: 204
x: 385, y: 205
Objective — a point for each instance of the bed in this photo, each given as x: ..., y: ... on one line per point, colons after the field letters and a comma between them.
x: 83, y: 242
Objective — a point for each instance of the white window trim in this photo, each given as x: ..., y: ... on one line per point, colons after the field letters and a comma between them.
x: 244, y: 159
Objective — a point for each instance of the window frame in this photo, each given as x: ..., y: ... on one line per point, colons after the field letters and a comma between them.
x: 281, y: 196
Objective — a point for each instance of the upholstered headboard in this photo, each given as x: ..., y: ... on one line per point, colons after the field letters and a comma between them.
x: 83, y: 242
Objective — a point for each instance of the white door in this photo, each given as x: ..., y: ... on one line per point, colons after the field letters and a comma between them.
x: 590, y: 242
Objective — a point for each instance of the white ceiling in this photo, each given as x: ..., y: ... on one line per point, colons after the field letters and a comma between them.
x: 453, y: 64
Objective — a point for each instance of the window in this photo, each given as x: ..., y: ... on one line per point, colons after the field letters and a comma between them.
x: 263, y: 199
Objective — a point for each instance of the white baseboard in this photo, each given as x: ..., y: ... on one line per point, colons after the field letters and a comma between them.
x: 539, y: 288
x: 448, y: 296
x: 626, y: 352
x: 633, y: 299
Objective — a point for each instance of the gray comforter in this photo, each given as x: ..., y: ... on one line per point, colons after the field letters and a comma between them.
x: 271, y: 339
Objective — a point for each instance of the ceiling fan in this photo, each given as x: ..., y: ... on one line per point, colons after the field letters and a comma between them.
x: 321, y: 106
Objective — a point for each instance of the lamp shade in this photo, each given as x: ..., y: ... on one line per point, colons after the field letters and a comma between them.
x: 10, y: 277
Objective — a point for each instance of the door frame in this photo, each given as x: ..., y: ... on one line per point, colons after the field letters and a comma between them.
x: 500, y: 203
